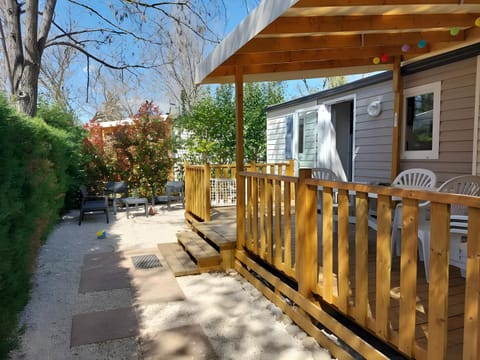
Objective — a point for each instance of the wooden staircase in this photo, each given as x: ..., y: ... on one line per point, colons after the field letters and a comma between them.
x: 194, y: 253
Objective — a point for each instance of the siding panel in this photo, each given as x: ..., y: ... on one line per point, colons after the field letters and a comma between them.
x: 456, y: 118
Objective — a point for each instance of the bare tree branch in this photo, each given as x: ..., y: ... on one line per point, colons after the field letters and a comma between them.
x: 116, y: 26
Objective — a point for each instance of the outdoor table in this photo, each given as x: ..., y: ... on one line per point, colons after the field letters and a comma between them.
x: 136, y: 201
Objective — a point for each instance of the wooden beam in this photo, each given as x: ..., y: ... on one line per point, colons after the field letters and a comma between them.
x: 293, y: 67
x: 289, y: 43
x: 315, y: 3
x: 363, y: 23
x: 397, y: 117
x: 317, y: 55
x: 239, y: 157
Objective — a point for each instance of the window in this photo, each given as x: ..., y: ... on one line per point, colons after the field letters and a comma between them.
x: 289, y: 137
x: 421, y: 122
x: 301, y: 132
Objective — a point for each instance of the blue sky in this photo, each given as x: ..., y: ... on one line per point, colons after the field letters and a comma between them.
x: 236, y: 11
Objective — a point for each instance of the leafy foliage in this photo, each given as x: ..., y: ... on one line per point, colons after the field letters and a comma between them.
x: 210, y: 125
x: 35, y: 162
x: 139, y: 152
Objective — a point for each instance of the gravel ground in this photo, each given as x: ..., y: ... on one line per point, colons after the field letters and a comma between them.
x: 239, y: 322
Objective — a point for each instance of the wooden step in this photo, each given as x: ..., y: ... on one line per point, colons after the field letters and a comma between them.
x: 222, y: 235
x: 205, y: 255
x: 178, y: 260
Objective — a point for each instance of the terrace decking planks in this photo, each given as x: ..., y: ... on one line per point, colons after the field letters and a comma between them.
x: 204, y: 255
x: 178, y: 260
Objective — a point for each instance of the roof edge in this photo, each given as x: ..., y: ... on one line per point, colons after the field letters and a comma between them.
x: 371, y: 80
x: 412, y: 68
x: 254, y: 23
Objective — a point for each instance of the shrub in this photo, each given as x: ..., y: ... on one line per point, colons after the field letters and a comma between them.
x: 34, y: 162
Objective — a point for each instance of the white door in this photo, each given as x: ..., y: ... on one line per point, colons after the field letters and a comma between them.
x: 327, y: 153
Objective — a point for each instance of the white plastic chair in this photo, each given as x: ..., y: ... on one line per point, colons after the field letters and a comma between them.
x: 416, y: 178
x: 465, y: 185
x: 324, y: 174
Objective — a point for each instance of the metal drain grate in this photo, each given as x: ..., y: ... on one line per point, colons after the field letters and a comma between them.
x: 146, y: 262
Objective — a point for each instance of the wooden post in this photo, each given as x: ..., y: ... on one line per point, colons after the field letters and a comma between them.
x: 397, y: 116
x: 290, y: 168
x: 471, y: 342
x: 306, y: 265
x: 188, y: 187
x: 207, y: 192
x: 239, y: 158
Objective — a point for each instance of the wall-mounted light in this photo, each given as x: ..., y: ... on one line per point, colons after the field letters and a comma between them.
x: 374, y: 108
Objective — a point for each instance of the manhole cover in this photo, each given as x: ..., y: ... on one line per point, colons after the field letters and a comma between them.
x: 146, y: 262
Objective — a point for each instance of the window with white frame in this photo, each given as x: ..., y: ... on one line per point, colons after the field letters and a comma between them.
x: 421, y: 122
x: 301, y: 132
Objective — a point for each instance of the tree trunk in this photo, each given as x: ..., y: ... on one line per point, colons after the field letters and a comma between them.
x: 24, y: 57
x: 26, y: 93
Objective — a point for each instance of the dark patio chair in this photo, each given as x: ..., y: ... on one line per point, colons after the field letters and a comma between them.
x: 118, y: 190
x: 175, y: 191
x: 92, y: 204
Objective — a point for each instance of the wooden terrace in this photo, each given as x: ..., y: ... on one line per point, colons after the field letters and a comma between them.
x: 223, y: 224
x: 342, y: 279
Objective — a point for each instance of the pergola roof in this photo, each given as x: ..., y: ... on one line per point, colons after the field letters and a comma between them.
x: 295, y: 39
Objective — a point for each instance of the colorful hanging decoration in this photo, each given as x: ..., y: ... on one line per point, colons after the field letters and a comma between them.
x: 405, y: 47
x: 376, y: 60
x: 384, y: 58
x: 422, y: 43
x: 477, y: 22
x: 454, y: 31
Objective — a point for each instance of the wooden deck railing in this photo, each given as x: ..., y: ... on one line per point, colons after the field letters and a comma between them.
x: 319, y: 259
x: 197, y: 182
x: 197, y: 191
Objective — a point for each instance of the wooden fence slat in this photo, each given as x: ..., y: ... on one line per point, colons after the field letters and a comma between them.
x: 408, y: 276
x: 255, y: 214
x: 471, y: 341
x: 262, y: 209
x: 327, y: 243
x: 383, y: 265
x: 249, y: 232
x: 438, y: 287
x: 278, y: 223
x: 269, y: 244
x: 343, y: 251
x: 206, y: 200
x: 361, y: 258
x: 287, y: 237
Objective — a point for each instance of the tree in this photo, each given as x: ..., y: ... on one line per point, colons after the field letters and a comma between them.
x: 23, y: 48
x: 144, y: 150
x: 210, y: 124
x: 139, y: 151
x: 257, y: 97
x: 54, y: 75
x: 305, y: 88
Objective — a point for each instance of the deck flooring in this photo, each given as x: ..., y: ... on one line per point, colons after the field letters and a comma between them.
x: 223, y: 223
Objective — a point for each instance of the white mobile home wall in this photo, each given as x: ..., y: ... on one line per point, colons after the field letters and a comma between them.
x: 459, y: 152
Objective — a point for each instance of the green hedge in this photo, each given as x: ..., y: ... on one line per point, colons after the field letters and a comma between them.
x: 35, y: 173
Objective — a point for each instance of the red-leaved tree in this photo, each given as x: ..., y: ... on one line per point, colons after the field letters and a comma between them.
x: 138, y: 151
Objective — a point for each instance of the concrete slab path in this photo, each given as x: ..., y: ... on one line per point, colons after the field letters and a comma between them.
x: 83, y: 283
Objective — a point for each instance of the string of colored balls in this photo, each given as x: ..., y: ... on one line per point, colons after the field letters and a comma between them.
x: 454, y: 31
